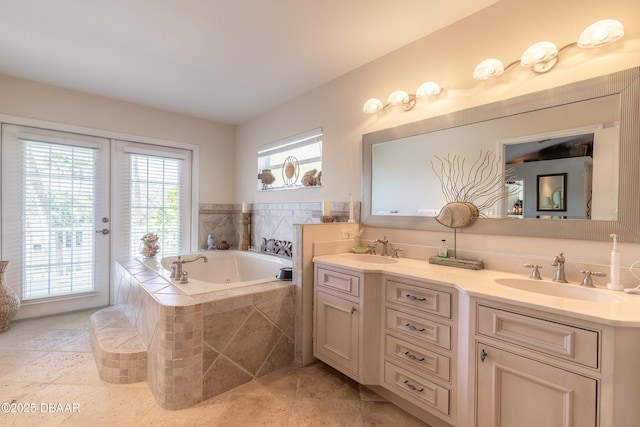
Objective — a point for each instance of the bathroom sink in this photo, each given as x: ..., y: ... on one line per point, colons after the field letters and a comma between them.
x: 563, y: 290
x: 373, y: 259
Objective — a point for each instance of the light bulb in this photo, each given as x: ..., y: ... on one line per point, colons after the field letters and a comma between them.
x: 372, y: 105
x: 601, y: 33
x: 488, y: 68
x: 428, y: 89
x: 398, y: 97
x: 540, y: 57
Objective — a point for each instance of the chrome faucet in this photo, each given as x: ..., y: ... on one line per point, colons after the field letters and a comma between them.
x: 385, y: 245
x: 395, y: 252
x: 535, y: 272
x: 558, y: 261
x: 587, y: 281
x: 372, y: 248
x: 176, y: 267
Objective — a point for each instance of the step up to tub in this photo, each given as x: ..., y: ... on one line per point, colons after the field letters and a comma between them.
x: 120, y: 354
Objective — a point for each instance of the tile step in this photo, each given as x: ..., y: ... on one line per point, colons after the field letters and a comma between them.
x: 120, y: 355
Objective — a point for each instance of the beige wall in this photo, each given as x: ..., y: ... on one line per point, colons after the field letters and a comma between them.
x: 449, y: 56
x: 31, y: 100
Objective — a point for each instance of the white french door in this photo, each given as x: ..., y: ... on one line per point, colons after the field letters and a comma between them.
x: 55, y: 219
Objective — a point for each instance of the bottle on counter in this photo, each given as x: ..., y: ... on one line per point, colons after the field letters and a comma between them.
x: 443, y: 251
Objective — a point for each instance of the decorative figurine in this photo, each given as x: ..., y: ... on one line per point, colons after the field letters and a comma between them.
x: 149, y: 247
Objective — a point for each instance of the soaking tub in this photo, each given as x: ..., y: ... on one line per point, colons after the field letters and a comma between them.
x: 226, y: 270
x: 212, y: 334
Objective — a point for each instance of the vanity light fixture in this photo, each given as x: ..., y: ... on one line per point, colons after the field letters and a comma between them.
x: 428, y: 89
x: 488, y: 68
x: 400, y: 98
x: 601, y: 33
x: 372, y: 105
x: 542, y: 56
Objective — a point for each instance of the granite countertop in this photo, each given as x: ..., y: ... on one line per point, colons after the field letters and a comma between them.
x: 616, y: 308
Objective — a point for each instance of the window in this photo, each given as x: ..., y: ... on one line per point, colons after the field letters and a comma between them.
x: 293, y: 162
x: 153, y: 193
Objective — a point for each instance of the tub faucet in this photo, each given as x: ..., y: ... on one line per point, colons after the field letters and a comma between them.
x: 558, y: 261
x: 184, y: 261
x: 385, y: 245
x: 176, y: 266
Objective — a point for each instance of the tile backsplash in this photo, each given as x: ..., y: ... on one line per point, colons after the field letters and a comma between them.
x: 268, y: 220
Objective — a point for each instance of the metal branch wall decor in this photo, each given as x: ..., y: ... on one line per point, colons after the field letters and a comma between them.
x: 468, y: 193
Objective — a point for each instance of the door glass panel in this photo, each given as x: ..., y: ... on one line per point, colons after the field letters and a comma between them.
x: 59, y: 210
x: 55, y: 193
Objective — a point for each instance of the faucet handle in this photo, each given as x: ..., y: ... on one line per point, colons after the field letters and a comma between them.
x: 372, y: 248
x: 587, y: 281
x: 395, y: 252
x: 185, y: 278
x: 535, y: 273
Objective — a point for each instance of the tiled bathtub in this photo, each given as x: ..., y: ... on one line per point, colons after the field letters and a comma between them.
x: 203, y: 345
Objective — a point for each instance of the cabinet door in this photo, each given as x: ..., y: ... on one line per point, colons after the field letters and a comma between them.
x: 336, y: 328
x: 514, y: 391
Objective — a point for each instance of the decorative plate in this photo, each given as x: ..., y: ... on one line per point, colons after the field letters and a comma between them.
x: 290, y: 171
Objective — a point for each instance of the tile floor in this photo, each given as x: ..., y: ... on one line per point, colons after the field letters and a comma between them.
x: 46, y: 367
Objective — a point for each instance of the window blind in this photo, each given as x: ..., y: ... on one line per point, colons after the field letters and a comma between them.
x: 153, y: 195
x: 305, y: 150
x: 50, y: 234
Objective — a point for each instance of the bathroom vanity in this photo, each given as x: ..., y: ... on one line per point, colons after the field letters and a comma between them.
x: 479, y: 348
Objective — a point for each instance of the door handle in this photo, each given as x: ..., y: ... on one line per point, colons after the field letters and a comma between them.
x: 103, y: 231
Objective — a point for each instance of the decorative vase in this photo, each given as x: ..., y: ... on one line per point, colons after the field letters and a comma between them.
x: 9, y: 301
x: 149, y: 246
x: 223, y: 245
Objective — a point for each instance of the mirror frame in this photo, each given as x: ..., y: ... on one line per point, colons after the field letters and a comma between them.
x: 627, y: 227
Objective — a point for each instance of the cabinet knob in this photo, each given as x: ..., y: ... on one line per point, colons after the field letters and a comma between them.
x: 483, y: 355
x: 353, y: 310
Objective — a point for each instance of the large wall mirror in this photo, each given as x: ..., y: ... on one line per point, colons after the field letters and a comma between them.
x: 588, y: 132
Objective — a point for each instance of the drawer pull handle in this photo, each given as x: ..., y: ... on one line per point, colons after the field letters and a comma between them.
x: 415, y: 298
x: 353, y: 310
x: 412, y: 387
x: 411, y: 356
x: 413, y: 328
x: 483, y: 355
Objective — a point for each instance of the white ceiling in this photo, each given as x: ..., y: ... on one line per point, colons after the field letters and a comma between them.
x: 223, y: 60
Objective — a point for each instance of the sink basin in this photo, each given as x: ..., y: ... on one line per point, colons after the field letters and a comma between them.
x: 560, y: 290
x: 372, y: 259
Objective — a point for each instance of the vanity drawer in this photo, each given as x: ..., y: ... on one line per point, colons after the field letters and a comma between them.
x: 549, y: 337
x: 426, y: 330
x: 416, y: 389
x: 420, y: 298
x: 341, y: 282
x: 417, y: 358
